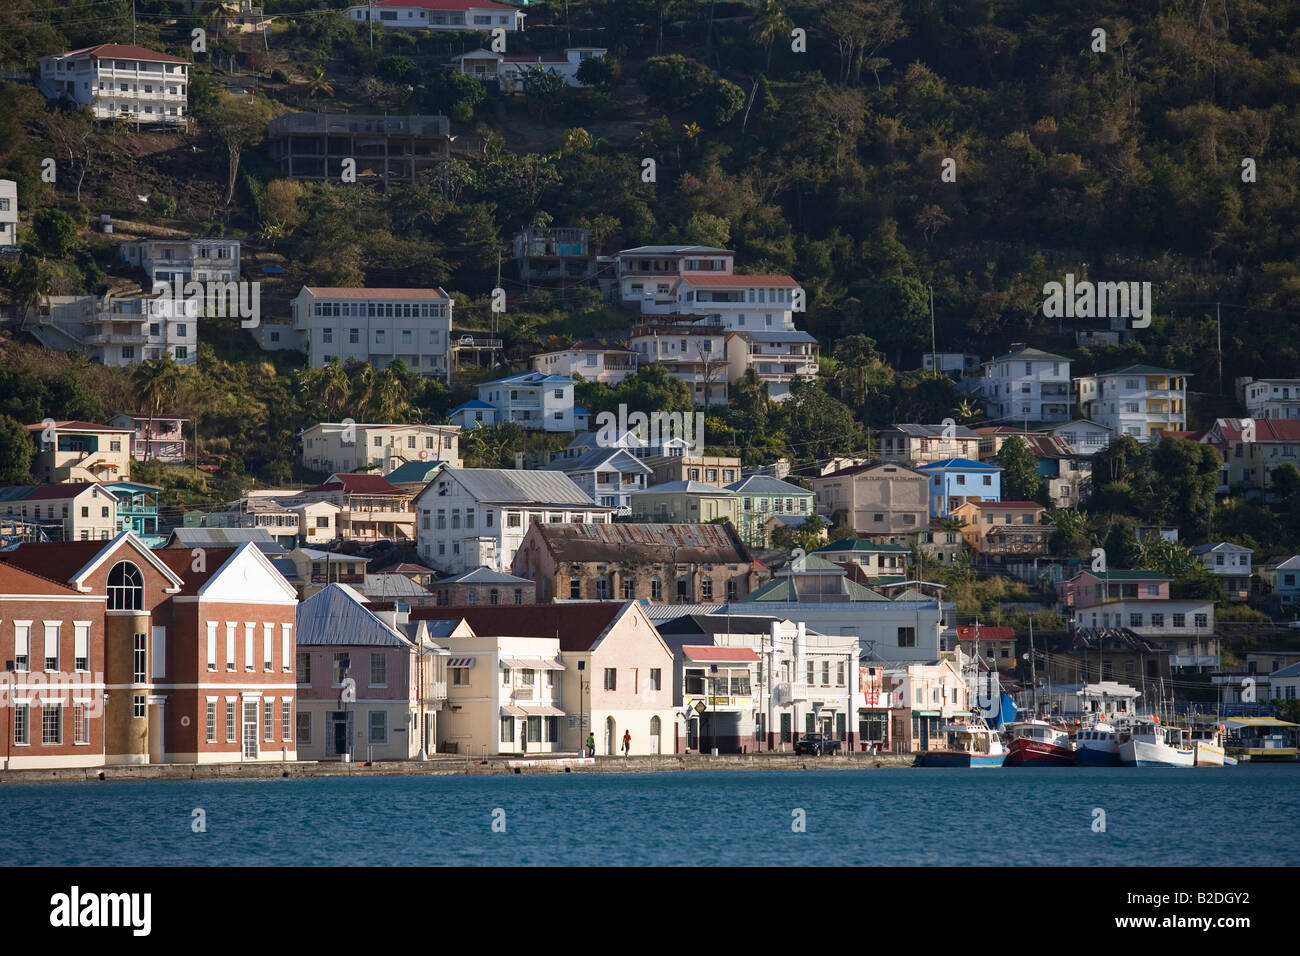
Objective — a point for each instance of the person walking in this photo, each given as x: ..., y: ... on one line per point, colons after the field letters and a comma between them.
x: 591, y: 745
x: 627, y: 742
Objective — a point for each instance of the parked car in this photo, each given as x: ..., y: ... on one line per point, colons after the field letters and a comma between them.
x: 816, y: 745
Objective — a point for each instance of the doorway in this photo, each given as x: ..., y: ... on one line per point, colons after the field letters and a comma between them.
x: 250, y: 730
x: 610, y: 733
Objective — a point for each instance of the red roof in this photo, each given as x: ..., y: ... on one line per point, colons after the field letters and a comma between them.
x: 698, y: 652
x: 1266, y: 429
x: 55, y: 560
x: 59, y: 492
x: 765, y: 281
x: 406, y: 567
x: 18, y: 581
x: 127, y: 52
x: 181, y: 563
x: 445, y: 4
x: 360, y: 484
x: 79, y: 426
x: 987, y: 633
x: 362, y: 293
x: 578, y: 626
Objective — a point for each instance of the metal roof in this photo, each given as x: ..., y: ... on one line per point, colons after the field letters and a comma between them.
x: 766, y: 485
x: 333, y: 615
x: 540, y: 487
x: 483, y: 575
x: 219, y: 537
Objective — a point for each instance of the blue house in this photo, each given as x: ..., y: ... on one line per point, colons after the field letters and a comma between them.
x: 955, y: 481
x: 473, y: 413
x: 137, y: 509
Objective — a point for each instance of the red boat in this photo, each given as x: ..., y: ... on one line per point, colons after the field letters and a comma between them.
x: 1038, y: 743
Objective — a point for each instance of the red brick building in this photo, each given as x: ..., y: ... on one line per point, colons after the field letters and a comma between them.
x: 191, y: 654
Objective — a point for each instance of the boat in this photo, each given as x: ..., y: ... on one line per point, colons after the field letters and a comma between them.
x: 972, y: 744
x: 1097, y: 745
x: 1149, y: 743
x: 1039, y: 743
x: 1207, y: 742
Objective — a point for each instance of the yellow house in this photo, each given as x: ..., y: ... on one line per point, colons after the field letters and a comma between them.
x: 1003, y: 526
x: 80, y: 451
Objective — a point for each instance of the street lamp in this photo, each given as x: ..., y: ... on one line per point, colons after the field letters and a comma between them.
x: 582, y: 712
x: 713, y: 709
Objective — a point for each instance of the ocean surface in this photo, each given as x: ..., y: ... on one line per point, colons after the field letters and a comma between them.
x: 1234, y: 816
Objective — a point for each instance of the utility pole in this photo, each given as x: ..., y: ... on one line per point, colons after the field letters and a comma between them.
x: 370, y: 19
x: 934, y: 357
x: 1218, y: 323
x: 133, y: 21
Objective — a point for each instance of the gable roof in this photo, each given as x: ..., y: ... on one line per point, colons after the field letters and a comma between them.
x: 409, y: 472
x: 860, y: 544
x: 508, y: 486
x: 74, y: 561
x: 127, y: 52
x: 579, y: 625
x: 688, y: 487
x: 360, y: 292
x: 907, y: 470
x: 1266, y: 429
x: 445, y: 4
x: 1017, y: 505
x: 1029, y: 355
x: 1137, y: 370
x: 222, y: 537
x: 916, y: 430
x: 766, y: 485
x: 594, y: 458
x: 78, y: 426
x: 483, y: 575
x: 333, y: 615
x: 958, y: 464
x: 362, y: 483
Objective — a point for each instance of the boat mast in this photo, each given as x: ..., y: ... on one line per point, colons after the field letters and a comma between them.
x: 1033, y: 668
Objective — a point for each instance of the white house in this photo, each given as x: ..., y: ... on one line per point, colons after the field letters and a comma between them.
x: 1137, y: 400
x: 609, y: 475
x: 536, y: 400
x: 778, y: 357
x: 1231, y: 562
x: 1083, y: 437
x: 486, y: 65
x: 1027, y: 385
x: 119, y: 80
x: 366, y: 446
x: 121, y: 330
x: 471, y: 517
x: 483, y: 15
x: 180, y: 260
x: 692, y: 349
x: 376, y: 326
x: 607, y: 364
x: 8, y: 213
x: 1270, y: 397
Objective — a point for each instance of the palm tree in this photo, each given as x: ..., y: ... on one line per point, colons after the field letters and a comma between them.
x: 32, y: 287
x: 966, y: 410
x: 767, y: 25
x: 156, y: 383
x: 319, y: 83
x: 388, y: 397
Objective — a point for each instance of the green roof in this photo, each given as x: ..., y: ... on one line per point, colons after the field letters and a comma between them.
x: 1140, y: 370
x: 1117, y: 574
x: 782, y: 590
x: 1033, y: 355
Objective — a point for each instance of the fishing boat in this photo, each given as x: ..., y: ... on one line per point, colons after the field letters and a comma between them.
x: 1038, y: 743
x: 1097, y: 744
x: 1149, y: 743
x: 1207, y: 742
x: 972, y: 744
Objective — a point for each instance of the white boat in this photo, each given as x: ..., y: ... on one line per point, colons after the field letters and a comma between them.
x: 972, y: 744
x: 1096, y: 745
x: 1149, y: 743
x: 1208, y: 745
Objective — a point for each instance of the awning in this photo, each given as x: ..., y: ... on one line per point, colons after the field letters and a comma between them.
x: 532, y: 663
x: 925, y: 713
x: 508, y: 711
x: 461, y: 662
x: 543, y: 710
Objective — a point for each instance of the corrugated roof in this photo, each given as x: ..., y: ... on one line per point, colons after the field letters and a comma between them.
x: 959, y: 464
x: 390, y: 584
x: 355, y: 292
x: 334, y: 616
x: 774, y: 335
x: 412, y: 471
x: 578, y: 625
x: 484, y: 575
x: 683, y: 487
x: 674, y: 250
x: 916, y: 430
x: 127, y: 51
x: 1028, y: 354
x: 1137, y: 370
x: 217, y: 537
x: 766, y: 485
x: 593, y: 459
x: 650, y: 543
x: 79, y: 426
x: 501, y: 485
x: 711, y: 653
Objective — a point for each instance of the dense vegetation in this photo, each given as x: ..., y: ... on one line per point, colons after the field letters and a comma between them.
x: 826, y: 164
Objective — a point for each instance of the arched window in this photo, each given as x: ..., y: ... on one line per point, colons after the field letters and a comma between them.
x: 125, y: 587
x: 654, y: 726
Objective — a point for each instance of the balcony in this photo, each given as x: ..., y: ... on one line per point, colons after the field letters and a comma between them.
x: 117, y: 338
x: 1193, y: 660
x: 436, y: 692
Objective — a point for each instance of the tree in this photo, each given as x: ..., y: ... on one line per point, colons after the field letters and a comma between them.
x: 1188, y: 475
x: 318, y: 83
x: 542, y: 90
x: 491, y: 446
x: 156, y: 383
x: 73, y: 135
x: 1123, y: 550
x: 599, y: 71
x: 862, y: 369
x: 56, y: 232
x: 32, y: 286
x: 16, y: 452
x: 238, y: 121
x: 1020, y: 478
x: 768, y: 24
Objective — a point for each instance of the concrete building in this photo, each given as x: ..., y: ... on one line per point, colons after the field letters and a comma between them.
x: 617, y: 676
x: 440, y: 15
x: 536, y: 400
x: 874, y: 499
x: 875, y: 559
x: 156, y: 437
x: 121, y: 330
x: 958, y: 480
x: 611, y: 476
x: 1027, y: 385
x: 1066, y: 474
x: 1281, y: 578
x: 594, y: 362
x: 182, y: 260
x: 685, y: 563
x: 506, y: 695
x: 70, y: 511
x: 912, y: 445
x: 720, y: 470
x: 80, y: 451
x: 120, y: 81
x: 761, y: 497
x: 1272, y: 397
x: 1004, y: 527
x: 377, y: 326
x: 397, y: 675
x: 150, y: 639
x: 483, y: 586
x: 472, y: 517
x: 8, y: 214
x: 508, y: 70
x: 685, y: 501
x: 927, y: 697
x: 382, y: 149
x: 370, y: 508
x: 956, y: 365
x: 1137, y: 400
x: 1084, y: 437
x: 365, y: 446
x: 554, y: 255
x: 1230, y: 563
x: 1249, y: 459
